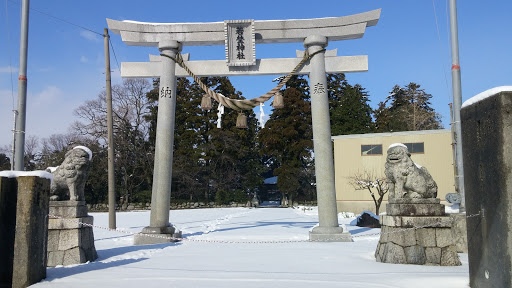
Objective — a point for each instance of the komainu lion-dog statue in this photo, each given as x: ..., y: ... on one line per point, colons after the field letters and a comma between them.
x: 69, y: 177
x: 405, y: 178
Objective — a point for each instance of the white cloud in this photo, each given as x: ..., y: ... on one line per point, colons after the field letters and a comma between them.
x: 48, y: 112
x: 8, y: 69
x: 84, y: 59
x: 90, y: 36
x: 6, y: 116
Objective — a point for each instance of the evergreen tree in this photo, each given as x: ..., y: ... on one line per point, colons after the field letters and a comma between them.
x: 210, y: 163
x: 287, y: 142
x: 406, y: 109
x: 5, y: 162
x: 349, y: 108
x: 231, y: 154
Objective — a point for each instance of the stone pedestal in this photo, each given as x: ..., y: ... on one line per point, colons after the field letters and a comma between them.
x: 157, y: 235
x: 69, y: 240
x: 460, y: 232
x: 416, y: 231
x: 329, y: 234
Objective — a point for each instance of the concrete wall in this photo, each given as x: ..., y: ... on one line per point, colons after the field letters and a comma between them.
x: 8, y: 194
x: 24, y: 209
x: 487, y: 151
x: 437, y: 158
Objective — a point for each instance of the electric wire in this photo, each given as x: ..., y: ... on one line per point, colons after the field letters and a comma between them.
x: 114, y: 52
x: 73, y: 24
x: 62, y: 20
x: 10, y: 53
x: 441, y: 50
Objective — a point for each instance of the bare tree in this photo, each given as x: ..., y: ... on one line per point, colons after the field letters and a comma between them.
x: 131, y: 131
x: 368, y: 181
x: 55, y: 147
x: 130, y: 105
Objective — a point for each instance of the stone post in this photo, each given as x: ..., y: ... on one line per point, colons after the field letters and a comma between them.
x: 162, y: 174
x: 328, y: 229
x: 24, y: 226
x: 487, y: 142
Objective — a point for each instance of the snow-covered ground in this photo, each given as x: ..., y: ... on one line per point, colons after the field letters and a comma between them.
x: 222, y: 250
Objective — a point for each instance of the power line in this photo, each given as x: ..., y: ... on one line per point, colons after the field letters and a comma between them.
x: 440, y: 47
x: 60, y: 19
x: 73, y: 24
x: 113, y: 51
x: 10, y: 54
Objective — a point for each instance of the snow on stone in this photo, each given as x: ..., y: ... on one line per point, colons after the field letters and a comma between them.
x: 486, y: 94
x: 418, y: 165
x: 86, y: 150
x: 15, y: 174
x: 397, y: 144
x: 453, y: 209
x: 52, y: 169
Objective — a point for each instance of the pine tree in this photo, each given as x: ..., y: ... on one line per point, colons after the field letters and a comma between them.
x: 5, y: 162
x: 207, y: 160
x: 287, y: 141
x: 406, y: 109
x: 349, y: 108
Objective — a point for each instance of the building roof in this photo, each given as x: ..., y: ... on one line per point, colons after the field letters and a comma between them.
x: 389, y: 134
x: 271, y: 180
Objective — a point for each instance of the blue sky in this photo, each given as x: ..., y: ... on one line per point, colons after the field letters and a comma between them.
x: 66, y: 63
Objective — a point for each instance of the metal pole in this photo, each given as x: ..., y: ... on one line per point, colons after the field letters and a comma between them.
x: 457, y: 102
x: 110, y: 144
x: 452, y: 126
x: 19, y: 138
x: 13, y: 138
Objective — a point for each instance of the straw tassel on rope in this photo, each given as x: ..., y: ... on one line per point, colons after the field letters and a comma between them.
x: 206, y: 102
x: 241, y: 120
x: 278, y: 101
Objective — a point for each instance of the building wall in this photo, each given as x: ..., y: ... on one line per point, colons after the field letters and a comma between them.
x: 348, y: 161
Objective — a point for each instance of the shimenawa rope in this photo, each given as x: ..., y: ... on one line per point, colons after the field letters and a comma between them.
x: 245, y: 104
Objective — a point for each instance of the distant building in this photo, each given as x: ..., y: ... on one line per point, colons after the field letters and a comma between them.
x: 367, y: 152
x: 269, y: 192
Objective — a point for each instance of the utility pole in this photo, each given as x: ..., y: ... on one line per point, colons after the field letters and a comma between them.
x: 15, y: 112
x: 110, y: 144
x: 457, y: 103
x: 19, y: 138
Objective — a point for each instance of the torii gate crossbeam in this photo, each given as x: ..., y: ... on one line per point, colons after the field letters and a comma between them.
x: 314, y: 33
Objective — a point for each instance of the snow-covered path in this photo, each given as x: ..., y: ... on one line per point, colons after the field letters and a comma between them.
x: 207, y: 259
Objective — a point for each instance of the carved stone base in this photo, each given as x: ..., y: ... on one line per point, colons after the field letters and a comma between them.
x: 329, y: 234
x: 157, y: 235
x: 420, y: 240
x: 69, y: 241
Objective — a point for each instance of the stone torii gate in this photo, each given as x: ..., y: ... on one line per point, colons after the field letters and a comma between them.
x: 239, y: 38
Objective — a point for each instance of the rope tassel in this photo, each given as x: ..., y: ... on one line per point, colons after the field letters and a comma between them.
x: 278, y: 102
x: 241, y: 121
x: 206, y: 102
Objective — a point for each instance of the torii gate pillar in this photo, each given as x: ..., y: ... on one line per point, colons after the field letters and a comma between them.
x: 328, y: 228
x: 164, y: 144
